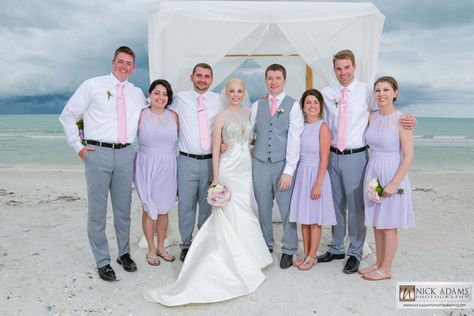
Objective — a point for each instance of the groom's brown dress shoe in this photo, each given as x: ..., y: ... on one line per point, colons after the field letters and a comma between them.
x: 352, y: 265
x: 286, y: 261
x: 328, y: 257
x: 127, y: 263
x: 106, y: 273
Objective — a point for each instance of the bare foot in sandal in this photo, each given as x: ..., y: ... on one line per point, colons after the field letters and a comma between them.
x: 152, y: 260
x: 165, y: 255
x: 299, y: 261
x: 377, y: 275
x: 307, y: 264
x: 368, y: 270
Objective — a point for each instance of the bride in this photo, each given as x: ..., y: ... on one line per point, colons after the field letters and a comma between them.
x: 228, y: 252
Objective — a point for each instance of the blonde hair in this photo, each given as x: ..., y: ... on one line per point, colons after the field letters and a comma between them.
x: 235, y: 80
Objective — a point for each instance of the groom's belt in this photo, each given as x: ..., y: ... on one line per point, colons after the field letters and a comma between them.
x: 198, y: 157
x: 348, y: 151
x: 107, y: 145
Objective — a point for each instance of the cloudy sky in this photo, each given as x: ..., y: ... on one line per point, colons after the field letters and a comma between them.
x: 50, y: 47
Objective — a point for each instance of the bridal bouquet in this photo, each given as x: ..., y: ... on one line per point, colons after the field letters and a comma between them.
x: 375, y: 191
x: 218, y: 195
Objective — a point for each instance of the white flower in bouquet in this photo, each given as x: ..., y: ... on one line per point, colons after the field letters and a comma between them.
x: 218, y: 195
x: 375, y: 191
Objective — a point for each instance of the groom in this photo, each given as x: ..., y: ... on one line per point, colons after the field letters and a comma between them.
x: 277, y: 123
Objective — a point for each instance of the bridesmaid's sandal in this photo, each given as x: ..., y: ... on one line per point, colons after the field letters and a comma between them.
x: 307, y: 264
x: 299, y: 261
x: 152, y: 260
x: 367, y: 270
x: 165, y: 255
x: 377, y: 275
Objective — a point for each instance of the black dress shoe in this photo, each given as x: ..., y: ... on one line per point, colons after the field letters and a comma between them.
x: 352, y: 265
x: 127, y: 262
x: 328, y: 257
x: 106, y: 273
x: 286, y: 261
x: 184, y: 253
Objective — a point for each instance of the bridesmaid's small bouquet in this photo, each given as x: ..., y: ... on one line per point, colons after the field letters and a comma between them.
x: 218, y: 195
x: 375, y: 191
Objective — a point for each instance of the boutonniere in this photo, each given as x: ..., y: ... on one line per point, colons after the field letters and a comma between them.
x: 109, y: 94
x: 337, y: 101
x: 280, y: 111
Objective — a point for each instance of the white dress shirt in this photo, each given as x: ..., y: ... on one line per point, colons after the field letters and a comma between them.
x: 186, y: 106
x: 96, y: 101
x: 294, y: 131
x: 361, y: 103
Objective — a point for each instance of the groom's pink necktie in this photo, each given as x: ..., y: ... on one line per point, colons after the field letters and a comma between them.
x: 342, y: 128
x: 122, y: 115
x: 273, y: 107
x: 203, y: 127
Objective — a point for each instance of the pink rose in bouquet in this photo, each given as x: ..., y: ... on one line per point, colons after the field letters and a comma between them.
x: 218, y: 195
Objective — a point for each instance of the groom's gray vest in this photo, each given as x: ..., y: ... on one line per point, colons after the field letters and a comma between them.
x: 272, y: 132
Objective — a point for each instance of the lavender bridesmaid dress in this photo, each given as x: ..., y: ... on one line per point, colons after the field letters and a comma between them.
x: 385, y: 156
x: 155, y: 162
x: 303, y: 209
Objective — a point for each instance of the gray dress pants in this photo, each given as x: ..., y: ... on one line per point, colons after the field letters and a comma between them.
x: 266, y: 176
x: 347, y: 180
x: 108, y: 169
x: 194, y: 177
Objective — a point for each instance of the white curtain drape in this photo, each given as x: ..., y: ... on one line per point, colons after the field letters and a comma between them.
x: 184, y: 33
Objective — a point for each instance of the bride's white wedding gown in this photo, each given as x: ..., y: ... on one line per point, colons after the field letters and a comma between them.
x: 227, y: 254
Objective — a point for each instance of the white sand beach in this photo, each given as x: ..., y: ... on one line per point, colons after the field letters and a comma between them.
x: 47, y: 268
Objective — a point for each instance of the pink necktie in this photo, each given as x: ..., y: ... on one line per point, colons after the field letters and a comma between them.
x: 203, y: 127
x: 342, y: 128
x: 273, y: 108
x: 122, y: 115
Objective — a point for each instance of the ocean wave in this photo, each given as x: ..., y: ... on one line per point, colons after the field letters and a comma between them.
x: 444, y: 137
x: 23, y: 136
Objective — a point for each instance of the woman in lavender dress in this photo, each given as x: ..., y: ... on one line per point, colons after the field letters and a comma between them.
x: 155, y: 168
x: 391, y: 155
x: 312, y: 203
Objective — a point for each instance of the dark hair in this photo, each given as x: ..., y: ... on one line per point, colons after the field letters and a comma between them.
x: 318, y: 96
x: 344, y: 54
x: 276, y: 67
x: 391, y: 81
x: 167, y: 86
x: 126, y: 50
x: 203, y: 65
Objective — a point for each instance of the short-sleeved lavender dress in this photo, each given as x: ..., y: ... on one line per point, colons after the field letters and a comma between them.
x: 385, y: 155
x: 303, y: 209
x: 155, y: 162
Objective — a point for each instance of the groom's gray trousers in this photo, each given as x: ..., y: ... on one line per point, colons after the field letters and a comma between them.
x: 194, y: 177
x: 266, y: 176
x: 108, y: 169
x: 347, y: 180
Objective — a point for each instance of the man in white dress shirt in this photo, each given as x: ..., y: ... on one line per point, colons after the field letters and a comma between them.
x: 196, y: 110
x: 110, y: 106
x: 347, y: 108
x: 278, y: 123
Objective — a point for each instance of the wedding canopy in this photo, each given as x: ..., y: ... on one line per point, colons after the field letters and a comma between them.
x: 226, y: 33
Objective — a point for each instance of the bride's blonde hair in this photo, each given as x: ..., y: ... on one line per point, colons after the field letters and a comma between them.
x: 235, y: 80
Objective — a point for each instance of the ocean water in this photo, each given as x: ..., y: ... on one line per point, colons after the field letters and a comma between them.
x: 34, y: 140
